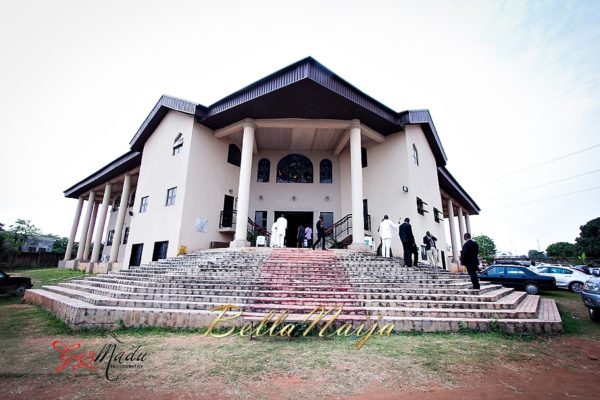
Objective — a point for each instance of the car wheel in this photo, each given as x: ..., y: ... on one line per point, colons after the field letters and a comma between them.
x: 532, y: 288
x: 576, y: 287
x: 594, y: 314
x: 20, y: 291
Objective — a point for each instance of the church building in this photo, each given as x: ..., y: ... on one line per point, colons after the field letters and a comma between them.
x: 301, y: 142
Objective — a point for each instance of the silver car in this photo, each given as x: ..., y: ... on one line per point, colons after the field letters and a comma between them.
x: 591, y: 297
x: 566, y: 278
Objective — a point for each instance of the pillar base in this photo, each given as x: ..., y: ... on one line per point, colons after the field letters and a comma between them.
x: 239, y: 243
x: 68, y: 264
x: 359, y: 247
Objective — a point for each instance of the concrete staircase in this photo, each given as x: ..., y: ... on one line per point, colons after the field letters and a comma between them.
x: 181, y: 291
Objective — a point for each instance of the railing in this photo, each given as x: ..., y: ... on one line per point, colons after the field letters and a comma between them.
x: 343, y: 228
x: 228, y: 219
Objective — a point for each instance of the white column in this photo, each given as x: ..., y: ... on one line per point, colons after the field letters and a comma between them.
x: 358, y: 227
x: 243, y: 203
x: 461, y: 225
x: 468, y: 223
x: 69, y: 250
x: 88, y: 239
x: 100, y: 224
x: 86, y: 225
x: 114, y: 251
x: 452, y: 230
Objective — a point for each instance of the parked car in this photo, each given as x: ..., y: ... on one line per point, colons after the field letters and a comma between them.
x: 518, y: 277
x: 566, y: 278
x: 591, y: 297
x: 583, y: 268
x: 14, y: 285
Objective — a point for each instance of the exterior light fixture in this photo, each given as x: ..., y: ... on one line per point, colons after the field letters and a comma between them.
x: 326, y: 198
x: 260, y: 197
x: 293, y: 198
x: 405, y: 189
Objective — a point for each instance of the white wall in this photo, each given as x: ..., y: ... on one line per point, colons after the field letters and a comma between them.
x: 159, y: 171
x: 209, y: 179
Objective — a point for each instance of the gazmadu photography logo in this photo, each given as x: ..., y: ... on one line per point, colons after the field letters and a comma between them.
x: 113, y: 357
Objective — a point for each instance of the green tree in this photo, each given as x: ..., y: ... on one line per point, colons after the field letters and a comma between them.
x: 20, y: 231
x: 588, y: 241
x: 487, y: 247
x: 535, y: 255
x: 562, y: 250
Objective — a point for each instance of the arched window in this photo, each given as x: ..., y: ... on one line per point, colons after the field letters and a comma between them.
x: 325, y: 171
x: 234, y: 155
x: 264, y: 168
x: 415, y: 154
x: 295, y: 168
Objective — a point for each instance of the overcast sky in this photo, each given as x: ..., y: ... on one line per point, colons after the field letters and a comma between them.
x: 513, y: 89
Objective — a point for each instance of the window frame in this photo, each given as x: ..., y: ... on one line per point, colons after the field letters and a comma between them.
x: 144, y: 204
x: 171, y: 196
x: 321, y: 168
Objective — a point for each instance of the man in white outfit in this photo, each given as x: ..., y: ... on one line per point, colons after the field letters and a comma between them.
x: 281, y: 228
x: 274, y: 237
x: 385, y: 232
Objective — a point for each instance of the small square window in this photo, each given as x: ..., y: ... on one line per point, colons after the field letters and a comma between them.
x: 109, y: 239
x: 437, y: 215
x: 171, y: 194
x: 421, y: 206
x: 144, y: 204
x: 177, y: 149
x: 126, y: 235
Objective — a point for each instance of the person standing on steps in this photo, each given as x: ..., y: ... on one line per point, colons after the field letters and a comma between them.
x: 431, y: 249
x: 274, y: 237
x: 407, y: 238
x: 300, y: 237
x: 281, y: 228
x: 385, y: 231
x: 320, y: 233
x: 469, y: 258
x: 308, y: 235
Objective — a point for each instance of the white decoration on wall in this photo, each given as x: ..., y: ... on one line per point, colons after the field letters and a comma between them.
x: 201, y: 225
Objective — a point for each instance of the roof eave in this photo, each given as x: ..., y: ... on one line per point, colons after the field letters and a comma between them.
x: 465, y: 199
x: 126, y: 162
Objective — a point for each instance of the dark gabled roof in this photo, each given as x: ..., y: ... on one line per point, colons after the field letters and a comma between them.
x: 121, y: 165
x: 164, y: 104
x: 423, y: 118
x: 451, y: 186
x: 305, y: 89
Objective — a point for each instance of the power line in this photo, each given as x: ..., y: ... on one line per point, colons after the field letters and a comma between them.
x: 549, y: 198
x: 544, y: 184
x: 575, y: 88
x: 543, y: 163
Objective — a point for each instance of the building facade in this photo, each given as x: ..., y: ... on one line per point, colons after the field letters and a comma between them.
x: 300, y: 142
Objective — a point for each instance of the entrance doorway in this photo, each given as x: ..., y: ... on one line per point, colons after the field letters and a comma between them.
x: 294, y: 219
x: 136, y: 255
x: 160, y: 250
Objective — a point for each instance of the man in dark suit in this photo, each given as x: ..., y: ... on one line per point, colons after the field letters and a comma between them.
x: 320, y: 233
x: 468, y: 258
x: 407, y: 239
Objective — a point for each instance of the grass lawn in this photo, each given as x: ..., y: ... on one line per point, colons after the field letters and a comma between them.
x: 305, y: 367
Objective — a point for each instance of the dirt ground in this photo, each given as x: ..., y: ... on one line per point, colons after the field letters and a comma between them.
x: 555, y: 368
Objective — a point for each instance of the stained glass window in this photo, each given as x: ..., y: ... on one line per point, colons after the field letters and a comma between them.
x: 264, y: 168
x: 325, y: 171
x: 295, y: 168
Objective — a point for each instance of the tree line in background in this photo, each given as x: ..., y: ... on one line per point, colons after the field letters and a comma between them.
x: 13, y: 237
x: 586, y: 246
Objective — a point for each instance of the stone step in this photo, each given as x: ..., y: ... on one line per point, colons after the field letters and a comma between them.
x: 408, y: 294
x: 504, y: 299
x: 80, y: 314
x: 149, y: 285
x: 526, y: 309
